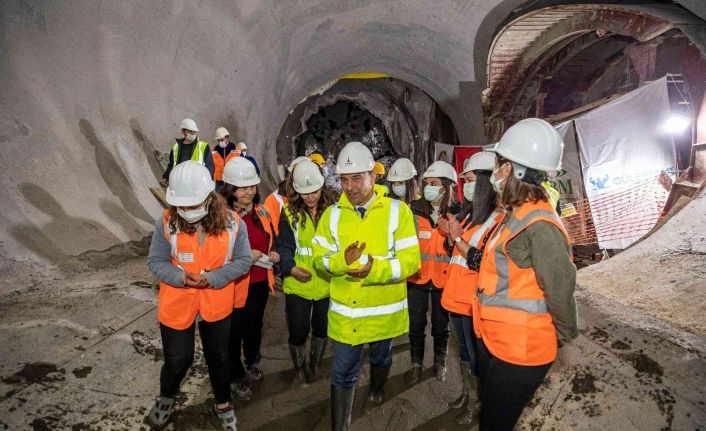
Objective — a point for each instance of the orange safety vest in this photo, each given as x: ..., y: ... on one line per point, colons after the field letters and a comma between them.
x: 511, y: 314
x: 178, y: 306
x: 460, y: 287
x: 266, y: 222
x: 435, y: 260
x: 219, y: 163
x: 274, y: 203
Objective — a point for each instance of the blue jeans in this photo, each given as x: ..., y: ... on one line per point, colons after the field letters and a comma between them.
x: 467, y: 342
x: 348, y: 359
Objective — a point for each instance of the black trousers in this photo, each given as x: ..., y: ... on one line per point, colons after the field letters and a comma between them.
x: 178, y: 346
x: 505, y: 389
x: 304, y: 315
x: 246, y: 333
x: 418, y: 297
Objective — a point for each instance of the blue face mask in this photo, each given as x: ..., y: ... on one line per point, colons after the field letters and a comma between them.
x: 497, y: 184
x: 469, y: 189
x: 399, y: 190
x: 433, y: 193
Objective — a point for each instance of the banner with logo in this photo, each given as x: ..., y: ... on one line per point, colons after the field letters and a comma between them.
x: 623, y: 150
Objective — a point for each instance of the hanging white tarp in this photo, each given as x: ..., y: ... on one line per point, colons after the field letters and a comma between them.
x: 568, y: 180
x: 623, y: 149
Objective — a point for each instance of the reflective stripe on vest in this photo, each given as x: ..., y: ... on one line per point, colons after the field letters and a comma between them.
x: 196, y: 156
x: 515, y: 226
x: 380, y: 310
x: 303, y: 251
x: 394, y: 221
x: 232, y: 235
x: 279, y: 199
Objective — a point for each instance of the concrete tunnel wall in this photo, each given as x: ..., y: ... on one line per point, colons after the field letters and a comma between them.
x: 92, y: 88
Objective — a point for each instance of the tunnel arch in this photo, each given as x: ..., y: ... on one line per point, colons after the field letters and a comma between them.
x: 412, y: 119
x: 537, y: 44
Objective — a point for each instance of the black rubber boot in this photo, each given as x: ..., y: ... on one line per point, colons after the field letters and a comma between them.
x: 472, y: 406
x: 341, y: 408
x: 299, y: 375
x: 414, y: 374
x: 440, y: 366
x: 316, y: 353
x: 465, y: 390
x: 378, y: 377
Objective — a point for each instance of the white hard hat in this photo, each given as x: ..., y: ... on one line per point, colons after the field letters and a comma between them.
x: 532, y: 143
x: 307, y: 177
x: 241, y: 146
x: 354, y: 158
x: 190, y: 183
x: 482, y: 161
x: 221, y: 133
x: 401, y: 170
x: 441, y: 169
x: 296, y: 161
x: 188, y: 124
x: 240, y: 172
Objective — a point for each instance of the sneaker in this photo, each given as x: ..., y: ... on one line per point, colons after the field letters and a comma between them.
x: 241, y: 388
x: 254, y: 372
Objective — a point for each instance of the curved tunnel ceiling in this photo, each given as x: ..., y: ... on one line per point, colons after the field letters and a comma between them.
x: 91, y: 89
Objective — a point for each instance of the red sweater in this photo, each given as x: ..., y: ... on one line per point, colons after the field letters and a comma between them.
x: 258, y: 241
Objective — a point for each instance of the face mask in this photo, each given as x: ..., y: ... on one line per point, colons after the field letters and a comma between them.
x: 222, y: 144
x: 399, y: 190
x: 193, y: 216
x: 495, y: 181
x: 242, y: 152
x: 191, y: 137
x: 432, y: 193
x: 469, y: 190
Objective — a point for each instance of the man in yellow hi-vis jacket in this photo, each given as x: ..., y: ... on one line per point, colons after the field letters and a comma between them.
x: 367, y: 242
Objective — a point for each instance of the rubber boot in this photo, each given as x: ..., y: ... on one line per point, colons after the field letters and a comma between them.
x: 440, y: 366
x: 316, y: 353
x: 341, y: 408
x: 414, y: 374
x: 378, y: 377
x: 465, y: 390
x: 297, y: 353
x: 471, y: 411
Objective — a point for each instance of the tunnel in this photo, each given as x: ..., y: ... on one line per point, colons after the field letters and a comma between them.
x: 93, y: 93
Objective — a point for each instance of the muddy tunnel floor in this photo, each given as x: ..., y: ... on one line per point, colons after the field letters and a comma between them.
x: 84, y: 354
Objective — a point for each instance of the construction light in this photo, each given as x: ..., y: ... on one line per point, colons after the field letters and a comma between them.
x: 676, y: 124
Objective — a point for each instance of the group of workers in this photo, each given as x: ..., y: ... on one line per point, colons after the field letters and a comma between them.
x: 364, y: 267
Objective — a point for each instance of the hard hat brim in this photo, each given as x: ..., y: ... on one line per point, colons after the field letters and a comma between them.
x: 243, y: 183
x: 178, y: 201
x: 307, y: 190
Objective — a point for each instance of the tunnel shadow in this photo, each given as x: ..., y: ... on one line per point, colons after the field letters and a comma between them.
x: 148, y: 148
x: 63, y: 231
x: 113, y: 175
x: 315, y: 415
x: 118, y: 214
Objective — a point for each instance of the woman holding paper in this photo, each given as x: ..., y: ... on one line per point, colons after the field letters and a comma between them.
x: 240, y: 190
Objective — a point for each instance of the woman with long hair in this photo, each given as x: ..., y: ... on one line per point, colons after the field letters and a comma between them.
x: 428, y: 283
x: 526, y: 307
x: 403, y: 182
x: 241, y: 193
x: 199, y: 249
x: 465, y: 236
x: 306, y: 289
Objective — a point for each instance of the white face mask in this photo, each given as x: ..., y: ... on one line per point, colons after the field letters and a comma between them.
x: 433, y: 193
x: 222, y: 144
x: 399, y: 190
x: 495, y: 181
x: 191, y: 137
x: 193, y: 216
x: 469, y: 189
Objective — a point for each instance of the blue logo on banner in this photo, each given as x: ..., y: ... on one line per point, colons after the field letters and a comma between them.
x: 599, y: 183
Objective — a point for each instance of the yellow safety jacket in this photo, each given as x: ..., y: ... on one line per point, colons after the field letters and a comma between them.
x: 373, y: 308
x: 318, y: 286
x: 196, y: 156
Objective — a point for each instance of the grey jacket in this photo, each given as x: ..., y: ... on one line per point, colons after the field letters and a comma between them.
x: 159, y: 260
